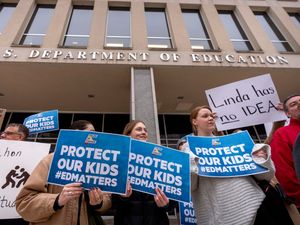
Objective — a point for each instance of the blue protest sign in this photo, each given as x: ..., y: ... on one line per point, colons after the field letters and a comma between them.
x: 225, y: 156
x: 42, y: 122
x: 152, y: 166
x: 95, y: 159
x: 187, y: 214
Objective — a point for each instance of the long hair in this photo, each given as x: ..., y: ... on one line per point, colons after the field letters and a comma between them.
x: 194, y: 114
x: 129, y: 126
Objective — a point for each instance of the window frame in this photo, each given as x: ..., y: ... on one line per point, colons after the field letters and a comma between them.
x: 66, y: 34
x: 205, y: 30
x: 275, y: 29
x: 245, y: 39
x: 295, y: 17
x: 169, y: 38
x: 1, y: 8
x: 29, y: 25
x: 121, y: 37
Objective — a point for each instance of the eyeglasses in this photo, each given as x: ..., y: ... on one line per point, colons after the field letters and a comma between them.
x: 8, y: 133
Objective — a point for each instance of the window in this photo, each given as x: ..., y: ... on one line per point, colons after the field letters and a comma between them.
x: 296, y: 18
x: 118, y: 27
x: 38, y: 25
x: 157, y: 27
x: 6, y: 11
x: 78, y: 31
x: 198, y: 34
x: 95, y: 119
x: 115, y: 123
x: 235, y: 31
x: 171, y: 131
x: 273, y: 32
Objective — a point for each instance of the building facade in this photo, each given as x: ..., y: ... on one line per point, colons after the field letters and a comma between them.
x: 108, y: 61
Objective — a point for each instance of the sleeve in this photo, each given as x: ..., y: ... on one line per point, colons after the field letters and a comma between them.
x: 193, y: 167
x: 276, y: 125
x: 106, y: 203
x: 296, y: 156
x: 266, y: 163
x: 285, y: 171
x: 33, y: 202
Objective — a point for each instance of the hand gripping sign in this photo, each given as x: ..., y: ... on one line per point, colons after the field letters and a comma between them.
x: 92, y: 158
x: 225, y: 156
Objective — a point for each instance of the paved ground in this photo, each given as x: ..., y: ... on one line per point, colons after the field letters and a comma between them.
x: 110, y: 221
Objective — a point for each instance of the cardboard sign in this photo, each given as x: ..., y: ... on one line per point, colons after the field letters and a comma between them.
x: 245, y: 103
x: 42, y: 122
x: 17, y: 161
x: 187, y: 214
x: 92, y: 158
x: 152, y: 166
x: 225, y: 156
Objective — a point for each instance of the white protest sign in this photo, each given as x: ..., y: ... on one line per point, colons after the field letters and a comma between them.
x: 17, y: 161
x: 268, y: 126
x: 245, y: 103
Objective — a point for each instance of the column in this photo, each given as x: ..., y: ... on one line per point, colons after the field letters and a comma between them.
x: 143, y: 101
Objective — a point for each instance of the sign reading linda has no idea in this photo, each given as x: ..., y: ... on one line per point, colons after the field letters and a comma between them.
x: 245, y: 103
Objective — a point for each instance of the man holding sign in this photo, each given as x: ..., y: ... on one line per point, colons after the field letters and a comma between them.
x: 225, y: 201
x: 42, y: 203
x: 15, y: 132
x: 282, y: 145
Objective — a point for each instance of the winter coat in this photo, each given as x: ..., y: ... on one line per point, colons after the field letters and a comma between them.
x: 139, y: 209
x: 282, y: 145
x: 227, y: 201
x: 36, y: 200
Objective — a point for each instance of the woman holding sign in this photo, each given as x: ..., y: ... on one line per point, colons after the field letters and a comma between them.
x: 137, y: 208
x: 226, y: 201
x: 42, y: 203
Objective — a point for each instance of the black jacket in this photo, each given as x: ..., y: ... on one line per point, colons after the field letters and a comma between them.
x: 138, y: 209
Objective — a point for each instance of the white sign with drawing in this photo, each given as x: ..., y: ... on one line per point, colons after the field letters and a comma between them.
x: 245, y: 103
x: 17, y: 161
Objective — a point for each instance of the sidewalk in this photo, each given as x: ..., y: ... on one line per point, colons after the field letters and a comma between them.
x: 109, y: 220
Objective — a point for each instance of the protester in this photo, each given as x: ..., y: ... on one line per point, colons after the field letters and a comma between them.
x: 282, y: 145
x: 296, y: 156
x: 14, y: 132
x: 226, y: 201
x: 137, y: 208
x: 41, y: 203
